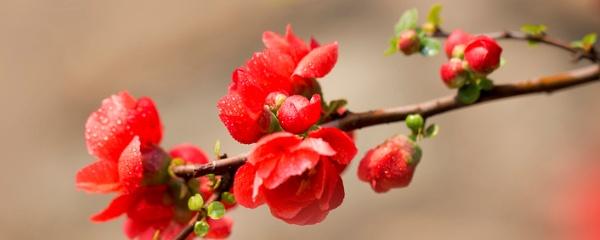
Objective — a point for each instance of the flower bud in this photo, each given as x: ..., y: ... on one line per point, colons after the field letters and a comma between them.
x: 391, y: 164
x: 453, y: 73
x: 297, y: 114
x: 408, y: 42
x: 483, y: 55
x: 457, y: 40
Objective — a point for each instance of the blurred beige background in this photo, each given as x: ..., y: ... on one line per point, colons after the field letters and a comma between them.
x: 490, y: 174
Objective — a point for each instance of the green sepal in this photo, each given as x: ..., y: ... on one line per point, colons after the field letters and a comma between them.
x: 408, y: 20
x: 433, y: 16
x: 215, y: 210
x: 201, y: 228
x: 195, y: 202
x: 431, y: 131
x: 468, y: 93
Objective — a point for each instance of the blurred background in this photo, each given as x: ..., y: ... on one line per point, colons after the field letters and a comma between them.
x: 496, y: 171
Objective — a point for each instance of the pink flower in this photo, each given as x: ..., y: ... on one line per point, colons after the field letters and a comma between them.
x: 297, y: 114
x: 288, y: 66
x: 483, y: 55
x: 390, y: 165
x: 297, y: 178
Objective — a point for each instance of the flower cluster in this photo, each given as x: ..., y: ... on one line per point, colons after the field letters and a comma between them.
x: 124, y: 135
x: 295, y: 166
x: 471, y: 59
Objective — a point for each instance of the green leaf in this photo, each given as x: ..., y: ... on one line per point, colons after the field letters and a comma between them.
x: 215, y: 210
x: 485, y: 84
x: 393, y: 47
x: 334, y: 105
x: 414, y: 122
x: 430, y: 46
x: 195, y: 202
x: 201, y: 228
x: 468, y: 94
x: 217, y: 148
x: 534, y: 30
x: 432, y: 130
x: 407, y: 21
x: 589, y: 39
x: 228, y: 198
x: 434, y: 14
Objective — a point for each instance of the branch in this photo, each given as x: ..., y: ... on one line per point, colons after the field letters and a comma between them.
x: 430, y: 108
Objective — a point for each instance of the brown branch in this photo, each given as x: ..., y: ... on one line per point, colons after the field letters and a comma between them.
x: 430, y: 108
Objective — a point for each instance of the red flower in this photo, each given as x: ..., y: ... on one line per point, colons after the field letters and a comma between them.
x: 408, y: 42
x: 297, y: 114
x: 117, y: 134
x: 297, y: 178
x: 390, y: 165
x: 288, y: 65
x: 483, y: 54
x: 457, y: 39
x: 453, y: 74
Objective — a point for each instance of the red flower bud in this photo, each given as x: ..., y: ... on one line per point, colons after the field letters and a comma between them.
x: 453, y: 73
x: 408, y: 42
x: 297, y: 114
x: 483, y: 54
x: 390, y: 165
x: 457, y: 38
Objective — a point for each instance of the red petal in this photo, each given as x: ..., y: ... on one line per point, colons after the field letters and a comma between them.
x: 270, y: 70
x: 98, y: 177
x: 243, y: 186
x: 113, y: 125
x: 189, y: 153
x: 283, y: 202
x: 134, y: 228
x: 273, y: 40
x: 117, y: 206
x: 318, y: 62
x: 130, y: 166
x: 243, y: 124
x: 309, y: 215
x: 297, y: 114
x: 314, y: 43
x: 339, y: 141
x: 298, y: 48
x: 334, y: 188
x: 291, y: 165
x: 219, y: 228
x: 317, y: 145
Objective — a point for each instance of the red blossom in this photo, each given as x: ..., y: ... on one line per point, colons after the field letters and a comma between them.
x: 453, y: 73
x: 297, y: 113
x: 288, y: 66
x: 117, y: 134
x: 297, y: 178
x: 390, y: 165
x: 483, y: 54
x: 458, y: 38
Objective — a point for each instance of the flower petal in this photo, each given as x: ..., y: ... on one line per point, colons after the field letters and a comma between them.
x: 318, y: 62
x: 117, y: 121
x: 219, y: 228
x: 243, y: 187
x: 117, y: 206
x: 340, y: 142
x: 130, y: 166
x: 98, y: 177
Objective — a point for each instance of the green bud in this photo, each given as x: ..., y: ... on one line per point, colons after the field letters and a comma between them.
x: 215, y: 210
x: 468, y: 94
x: 201, y: 228
x: 195, y: 202
x: 415, y: 122
x: 228, y: 198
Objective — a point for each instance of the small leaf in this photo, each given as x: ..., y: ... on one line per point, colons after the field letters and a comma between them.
x: 534, y: 30
x: 434, y: 15
x: 407, y: 21
x: 485, y: 84
x: 468, y: 94
x: 201, y: 228
x: 393, y: 48
x: 431, y: 47
x: 502, y: 61
x: 334, y: 105
x: 215, y: 210
x: 195, y: 202
x: 228, y: 198
x: 432, y: 130
x: 589, y: 39
x: 217, y: 148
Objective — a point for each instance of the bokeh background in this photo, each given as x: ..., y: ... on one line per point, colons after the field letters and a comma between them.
x: 494, y: 172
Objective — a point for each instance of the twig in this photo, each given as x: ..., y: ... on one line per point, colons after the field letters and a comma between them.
x: 430, y: 108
